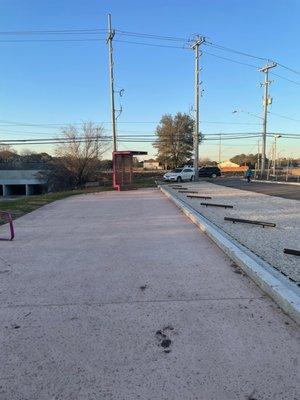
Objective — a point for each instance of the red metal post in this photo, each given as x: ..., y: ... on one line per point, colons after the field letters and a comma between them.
x: 9, y: 220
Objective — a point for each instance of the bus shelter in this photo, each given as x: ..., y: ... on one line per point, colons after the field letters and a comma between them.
x: 123, y: 168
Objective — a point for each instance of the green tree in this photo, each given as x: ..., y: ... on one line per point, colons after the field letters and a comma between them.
x: 174, y: 141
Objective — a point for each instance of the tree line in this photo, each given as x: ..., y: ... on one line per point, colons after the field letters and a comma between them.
x: 78, y: 157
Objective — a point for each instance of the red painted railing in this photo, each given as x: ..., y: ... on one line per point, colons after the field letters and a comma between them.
x: 8, y: 217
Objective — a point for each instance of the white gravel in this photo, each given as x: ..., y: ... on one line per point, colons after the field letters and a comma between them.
x: 267, y: 243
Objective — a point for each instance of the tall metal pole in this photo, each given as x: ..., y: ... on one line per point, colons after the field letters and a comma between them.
x: 266, y: 101
x: 220, y: 147
x: 275, y: 154
x: 258, y: 156
x: 198, y: 41
x: 110, y: 36
x: 287, y: 170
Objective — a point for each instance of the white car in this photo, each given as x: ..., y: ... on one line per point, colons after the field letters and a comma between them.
x: 180, y: 174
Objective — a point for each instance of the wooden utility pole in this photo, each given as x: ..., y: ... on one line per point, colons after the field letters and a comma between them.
x: 110, y: 36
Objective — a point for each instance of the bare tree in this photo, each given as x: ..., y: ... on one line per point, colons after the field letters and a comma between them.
x: 7, y: 153
x: 77, y: 158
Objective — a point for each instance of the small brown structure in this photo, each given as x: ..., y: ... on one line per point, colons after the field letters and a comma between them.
x: 123, y: 168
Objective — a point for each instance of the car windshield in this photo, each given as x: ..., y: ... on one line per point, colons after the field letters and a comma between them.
x: 177, y: 170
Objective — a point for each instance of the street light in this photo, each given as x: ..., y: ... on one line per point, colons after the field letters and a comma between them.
x: 275, y: 153
x: 259, y: 155
x: 246, y: 112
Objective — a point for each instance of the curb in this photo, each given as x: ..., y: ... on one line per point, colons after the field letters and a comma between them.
x: 277, y: 183
x: 283, y: 292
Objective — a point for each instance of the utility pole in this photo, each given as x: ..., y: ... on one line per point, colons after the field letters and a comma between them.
x: 110, y: 36
x: 195, y: 46
x: 267, y: 100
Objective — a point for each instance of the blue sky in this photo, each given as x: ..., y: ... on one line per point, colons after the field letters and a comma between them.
x: 61, y: 82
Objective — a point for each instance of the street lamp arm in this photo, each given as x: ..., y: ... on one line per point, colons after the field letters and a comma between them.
x: 246, y: 112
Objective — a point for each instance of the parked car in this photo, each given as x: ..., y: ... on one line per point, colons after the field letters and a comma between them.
x: 187, y: 173
x: 180, y: 174
x: 210, y: 172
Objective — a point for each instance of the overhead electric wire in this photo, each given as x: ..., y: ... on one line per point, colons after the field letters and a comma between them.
x: 250, y: 55
x: 53, y: 31
x: 283, y: 77
x: 248, y: 65
x: 234, y: 51
x: 58, y: 125
x: 151, y: 44
x: 284, y: 116
x: 230, y: 59
x: 50, y: 40
x: 151, y: 36
x: 79, y: 139
x: 288, y: 68
x: 129, y: 141
x: 131, y: 136
x: 147, y: 136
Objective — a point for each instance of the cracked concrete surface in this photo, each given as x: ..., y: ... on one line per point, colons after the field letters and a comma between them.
x: 75, y: 323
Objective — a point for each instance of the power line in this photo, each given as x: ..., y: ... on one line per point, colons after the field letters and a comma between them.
x: 53, y: 31
x: 283, y: 77
x: 93, y: 31
x: 58, y: 125
x: 236, y: 51
x: 149, y: 135
x: 230, y: 59
x: 284, y: 116
x: 251, y: 56
x: 152, y: 44
x: 248, y: 65
x: 146, y: 44
x: 141, y: 138
x: 151, y: 36
x: 50, y: 40
x: 289, y: 69
x: 136, y: 134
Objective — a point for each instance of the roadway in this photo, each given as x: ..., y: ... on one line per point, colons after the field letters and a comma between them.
x: 272, y: 189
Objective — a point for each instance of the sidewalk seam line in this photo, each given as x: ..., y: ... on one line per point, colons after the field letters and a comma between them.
x: 130, y: 302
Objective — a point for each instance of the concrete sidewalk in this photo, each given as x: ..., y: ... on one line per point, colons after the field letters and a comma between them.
x: 90, y: 281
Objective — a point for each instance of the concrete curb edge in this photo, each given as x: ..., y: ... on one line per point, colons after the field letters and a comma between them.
x: 279, y: 289
x: 277, y: 183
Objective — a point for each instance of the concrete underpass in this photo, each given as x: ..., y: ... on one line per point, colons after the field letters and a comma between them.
x: 20, y: 182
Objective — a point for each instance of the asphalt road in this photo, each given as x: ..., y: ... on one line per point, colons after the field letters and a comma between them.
x: 272, y: 189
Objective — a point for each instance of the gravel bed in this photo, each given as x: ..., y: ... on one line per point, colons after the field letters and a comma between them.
x: 268, y: 243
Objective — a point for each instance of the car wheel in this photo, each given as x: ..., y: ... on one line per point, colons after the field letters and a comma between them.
x: 179, y: 179
x: 214, y: 175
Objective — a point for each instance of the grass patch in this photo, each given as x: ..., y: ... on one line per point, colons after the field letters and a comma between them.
x: 24, y: 205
